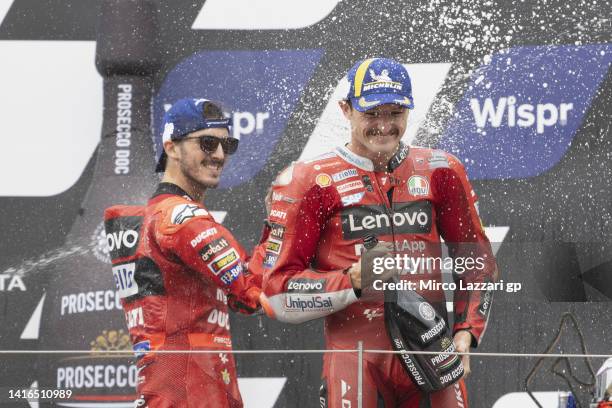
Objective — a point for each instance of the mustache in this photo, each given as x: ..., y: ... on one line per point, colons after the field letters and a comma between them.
x: 394, y: 131
x: 216, y: 162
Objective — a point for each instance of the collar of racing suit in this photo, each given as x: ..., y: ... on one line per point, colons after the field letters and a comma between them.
x: 170, y: 188
x: 366, y: 164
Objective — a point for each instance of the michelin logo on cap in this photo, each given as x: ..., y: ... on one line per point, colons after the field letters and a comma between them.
x: 379, y: 81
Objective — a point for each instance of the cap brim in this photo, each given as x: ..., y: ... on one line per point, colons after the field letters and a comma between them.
x: 367, y: 102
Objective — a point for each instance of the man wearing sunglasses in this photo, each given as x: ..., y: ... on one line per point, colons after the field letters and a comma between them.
x: 189, y: 268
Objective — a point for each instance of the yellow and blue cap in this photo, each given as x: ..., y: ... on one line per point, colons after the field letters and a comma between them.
x: 379, y: 81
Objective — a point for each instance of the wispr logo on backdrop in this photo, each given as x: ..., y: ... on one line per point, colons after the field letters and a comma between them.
x: 521, y: 111
x: 262, y: 89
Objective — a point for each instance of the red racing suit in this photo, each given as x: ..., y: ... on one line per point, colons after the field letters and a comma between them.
x: 175, y: 269
x: 321, y: 211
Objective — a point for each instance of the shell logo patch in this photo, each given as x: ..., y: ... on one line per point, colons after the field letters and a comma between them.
x: 323, y: 180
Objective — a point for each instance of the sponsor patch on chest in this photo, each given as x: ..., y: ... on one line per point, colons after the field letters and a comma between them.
x: 406, y: 218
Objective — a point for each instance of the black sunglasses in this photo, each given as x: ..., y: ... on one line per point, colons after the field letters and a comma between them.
x: 209, y: 144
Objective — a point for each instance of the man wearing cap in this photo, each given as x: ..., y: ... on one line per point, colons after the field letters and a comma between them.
x: 375, y: 186
x: 186, y: 270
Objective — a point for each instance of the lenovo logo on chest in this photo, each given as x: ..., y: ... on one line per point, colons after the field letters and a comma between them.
x: 405, y: 218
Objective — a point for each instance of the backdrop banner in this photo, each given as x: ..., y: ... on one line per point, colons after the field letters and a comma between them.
x: 520, y: 92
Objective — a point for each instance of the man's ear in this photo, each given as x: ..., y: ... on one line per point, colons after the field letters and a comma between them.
x: 171, y: 149
x: 346, y: 108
